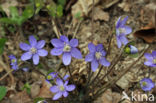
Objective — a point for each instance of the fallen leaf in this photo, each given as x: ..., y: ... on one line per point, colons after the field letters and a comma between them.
x: 21, y: 97
x: 45, y: 90
x: 109, y: 97
x: 99, y: 14
x: 83, y: 6
x: 35, y: 89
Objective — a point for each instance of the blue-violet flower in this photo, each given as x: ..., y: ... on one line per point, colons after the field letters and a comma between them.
x: 13, y: 62
x: 151, y: 59
x: 61, y: 89
x: 96, y: 56
x: 67, y: 48
x: 121, y: 31
x: 34, y: 50
x: 146, y: 84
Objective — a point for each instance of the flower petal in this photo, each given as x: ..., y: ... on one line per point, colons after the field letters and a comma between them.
x: 66, y: 77
x: 76, y: 53
x: 57, y: 43
x: 103, y: 53
x: 54, y: 89
x: 64, y: 38
x: 36, y: 59
x: 26, y: 56
x: 74, y: 42
x: 128, y: 30
x: 94, y: 65
x: 123, y: 22
x: 89, y: 57
x: 57, y: 96
x: 56, y: 51
x: 42, y: 52
x: 91, y: 47
x: 104, y: 62
x: 65, y: 93
x: 148, y: 56
x: 133, y: 49
x: 59, y: 82
x: 118, y: 42
x: 148, y: 63
x: 24, y: 46
x: 99, y: 47
x: 66, y: 58
x: 32, y: 40
x: 154, y: 54
x: 118, y: 22
x: 70, y: 87
x: 123, y: 39
x: 40, y: 44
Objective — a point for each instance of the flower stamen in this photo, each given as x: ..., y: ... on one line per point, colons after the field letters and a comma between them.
x: 98, y: 55
x: 61, y: 88
x: 66, y: 48
x: 33, y: 50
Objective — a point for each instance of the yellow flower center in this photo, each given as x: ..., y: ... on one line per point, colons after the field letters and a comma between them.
x: 144, y: 83
x: 66, y: 48
x: 62, y: 88
x: 13, y: 60
x: 154, y: 61
x: 49, y: 77
x: 33, y: 50
x: 127, y: 50
x: 122, y: 30
x: 98, y: 55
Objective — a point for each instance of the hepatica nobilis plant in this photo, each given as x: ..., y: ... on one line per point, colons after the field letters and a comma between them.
x: 64, y: 85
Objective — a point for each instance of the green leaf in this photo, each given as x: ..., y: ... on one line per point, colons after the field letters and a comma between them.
x: 59, y: 11
x: 52, y: 9
x: 28, y: 12
x: 7, y: 21
x: 2, y: 44
x: 3, y: 92
x: 13, y: 12
x: 36, y: 100
x: 39, y: 5
x: 61, y: 2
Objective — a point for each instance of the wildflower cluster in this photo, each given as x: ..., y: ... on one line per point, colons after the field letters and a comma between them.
x: 69, y: 48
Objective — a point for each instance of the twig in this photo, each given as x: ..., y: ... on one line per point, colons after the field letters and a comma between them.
x: 6, y: 74
x: 77, y: 28
x: 7, y: 70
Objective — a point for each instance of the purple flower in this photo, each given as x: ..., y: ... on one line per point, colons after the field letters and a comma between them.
x: 61, y: 89
x: 151, y: 59
x: 146, y: 84
x: 34, y: 50
x: 96, y: 56
x: 130, y: 49
x: 67, y: 48
x: 121, y: 31
x: 52, y: 76
x: 13, y: 62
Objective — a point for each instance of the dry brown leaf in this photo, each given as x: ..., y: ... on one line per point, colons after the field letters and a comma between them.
x: 109, y: 97
x: 99, y: 14
x: 35, y: 89
x: 45, y: 90
x: 21, y: 97
x: 83, y: 6
x: 125, y: 6
x: 5, y: 6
